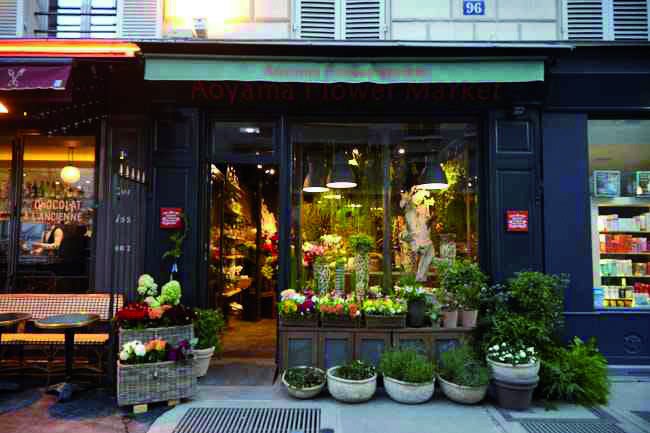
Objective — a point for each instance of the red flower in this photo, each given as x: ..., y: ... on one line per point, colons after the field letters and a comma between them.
x: 339, y: 308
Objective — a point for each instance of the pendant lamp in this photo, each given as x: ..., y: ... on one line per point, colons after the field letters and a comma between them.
x: 341, y: 175
x: 315, y: 180
x: 432, y: 176
x: 70, y: 174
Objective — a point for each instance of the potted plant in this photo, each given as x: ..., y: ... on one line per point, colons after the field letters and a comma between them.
x: 339, y: 312
x: 207, y: 327
x: 434, y: 313
x: 384, y: 313
x: 408, y: 376
x: 515, y: 370
x: 352, y: 382
x: 303, y: 382
x: 361, y: 244
x: 297, y: 309
x: 448, y: 308
x: 412, y: 291
x: 463, y: 280
x: 463, y: 378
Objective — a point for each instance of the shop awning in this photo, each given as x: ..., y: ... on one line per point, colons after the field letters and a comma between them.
x: 29, y: 77
x: 389, y: 72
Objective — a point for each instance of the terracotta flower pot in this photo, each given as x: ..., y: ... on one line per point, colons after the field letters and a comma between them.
x: 450, y: 319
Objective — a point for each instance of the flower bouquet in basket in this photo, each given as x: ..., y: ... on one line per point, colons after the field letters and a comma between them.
x: 297, y: 309
x: 154, y: 371
x: 155, y: 316
x: 384, y: 313
x: 339, y: 312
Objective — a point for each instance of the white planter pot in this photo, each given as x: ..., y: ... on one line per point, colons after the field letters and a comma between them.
x: 304, y: 393
x: 468, y: 318
x: 462, y: 394
x: 513, y: 373
x: 201, y: 360
x: 350, y: 391
x: 450, y: 319
x: 409, y: 393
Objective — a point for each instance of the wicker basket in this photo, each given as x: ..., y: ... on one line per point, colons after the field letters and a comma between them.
x: 308, y: 322
x: 159, y: 381
x: 171, y: 334
x: 339, y: 322
x: 398, y: 321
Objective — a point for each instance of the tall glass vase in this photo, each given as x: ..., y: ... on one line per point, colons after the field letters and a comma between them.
x: 322, y: 274
x: 339, y: 282
x: 361, y: 272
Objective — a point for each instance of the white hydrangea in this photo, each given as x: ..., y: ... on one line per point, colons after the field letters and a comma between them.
x: 124, y: 355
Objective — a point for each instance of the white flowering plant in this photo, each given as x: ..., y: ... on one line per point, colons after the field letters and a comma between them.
x: 512, y: 354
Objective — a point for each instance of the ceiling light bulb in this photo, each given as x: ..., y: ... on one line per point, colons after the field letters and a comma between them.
x: 259, y: 166
x: 70, y: 174
x: 3, y: 108
x: 401, y: 151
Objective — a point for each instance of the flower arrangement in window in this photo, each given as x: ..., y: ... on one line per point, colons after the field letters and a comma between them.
x: 136, y: 352
x: 312, y: 253
x: 384, y: 307
x: 294, y: 305
x: 152, y: 310
x: 334, y: 307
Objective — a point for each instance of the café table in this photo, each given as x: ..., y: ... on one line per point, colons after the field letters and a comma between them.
x: 70, y: 324
x: 6, y: 320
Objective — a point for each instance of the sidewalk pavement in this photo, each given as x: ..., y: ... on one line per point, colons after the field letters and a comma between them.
x: 629, y: 395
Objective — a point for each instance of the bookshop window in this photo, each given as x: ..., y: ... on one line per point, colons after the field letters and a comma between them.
x: 619, y: 159
x: 407, y: 193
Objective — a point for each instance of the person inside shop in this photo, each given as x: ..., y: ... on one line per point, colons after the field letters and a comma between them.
x: 67, y: 241
x: 52, y: 238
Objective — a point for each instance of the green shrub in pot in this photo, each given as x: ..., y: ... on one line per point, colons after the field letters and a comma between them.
x: 352, y: 382
x: 463, y: 377
x: 408, y: 376
x: 207, y: 328
x: 304, y: 382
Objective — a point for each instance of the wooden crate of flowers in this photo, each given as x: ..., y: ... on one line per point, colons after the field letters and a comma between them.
x: 339, y: 312
x: 384, y: 313
x: 298, y: 310
x: 155, y: 371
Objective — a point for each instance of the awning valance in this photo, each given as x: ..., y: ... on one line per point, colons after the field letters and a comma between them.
x: 454, y: 71
x: 28, y: 77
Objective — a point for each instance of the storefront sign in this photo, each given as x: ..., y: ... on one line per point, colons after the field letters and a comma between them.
x: 473, y: 7
x: 170, y: 218
x: 233, y: 93
x: 517, y: 220
x: 34, y: 77
x: 52, y: 211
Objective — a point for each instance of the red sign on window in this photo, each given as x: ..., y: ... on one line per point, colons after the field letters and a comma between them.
x: 170, y: 218
x: 517, y: 220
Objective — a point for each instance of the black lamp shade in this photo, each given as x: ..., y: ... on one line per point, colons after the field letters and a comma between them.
x: 315, y: 179
x: 432, y: 176
x: 341, y: 176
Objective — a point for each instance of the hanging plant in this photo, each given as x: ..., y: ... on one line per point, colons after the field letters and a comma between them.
x: 177, y: 238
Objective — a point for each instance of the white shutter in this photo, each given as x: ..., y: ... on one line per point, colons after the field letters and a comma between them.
x: 631, y: 19
x: 8, y: 17
x: 584, y: 19
x: 316, y: 19
x: 363, y: 19
x: 140, y: 19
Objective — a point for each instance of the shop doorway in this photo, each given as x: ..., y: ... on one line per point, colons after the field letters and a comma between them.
x: 243, y: 241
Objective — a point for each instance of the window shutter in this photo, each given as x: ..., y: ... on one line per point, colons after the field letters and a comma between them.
x: 584, y: 19
x: 140, y: 19
x: 631, y: 19
x: 8, y: 17
x: 316, y: 19
x: 363, y: 19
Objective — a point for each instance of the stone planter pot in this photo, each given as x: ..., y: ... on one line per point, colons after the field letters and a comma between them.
x: 462, y: 394
x: 515, y: 395
x: 468, y: 318
x: 201, y: 360
x: 304, y: 393
x: 409, y: 393
x: 416, y: 312
x: 350, y: 391
x: 513, y: 373
x: 450, y: 319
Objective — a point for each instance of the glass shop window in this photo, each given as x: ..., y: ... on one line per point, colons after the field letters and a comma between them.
x: 405, y: 192
x: 619, y: 163
x: 57, y: 197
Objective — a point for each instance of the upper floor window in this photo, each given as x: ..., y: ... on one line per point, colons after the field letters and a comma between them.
x: 79, y: 19
x: 340, y: 19
x: 606, y: 20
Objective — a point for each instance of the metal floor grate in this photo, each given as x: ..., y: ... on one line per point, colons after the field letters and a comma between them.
x: 571, y: 427
x: 249, y: 420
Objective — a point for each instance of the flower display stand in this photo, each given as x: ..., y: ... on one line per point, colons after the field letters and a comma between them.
x: 340, y: 322
x: 160, y: 381
x: 306, y: 322
x: 396, y: 321
x: 171, y: 334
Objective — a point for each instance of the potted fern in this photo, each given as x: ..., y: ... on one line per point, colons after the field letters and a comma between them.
x: 207, y: 327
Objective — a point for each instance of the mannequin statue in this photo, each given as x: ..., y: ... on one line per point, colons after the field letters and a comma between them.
x: 415, y: 204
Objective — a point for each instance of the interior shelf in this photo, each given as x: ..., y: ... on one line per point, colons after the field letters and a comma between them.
x: 626, y: 276
x: 625, y: 254
x: 622, y: 201
x: 624, y: 233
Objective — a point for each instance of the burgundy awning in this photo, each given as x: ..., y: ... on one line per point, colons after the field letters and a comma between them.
x: 26, y: 77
